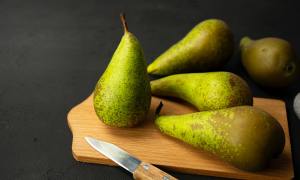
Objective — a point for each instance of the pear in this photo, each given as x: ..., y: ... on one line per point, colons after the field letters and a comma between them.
x: 208, y: 46
x: 122, y: 95
x: 244, y: 136
x: 206, y: 91
x: 270, y: 62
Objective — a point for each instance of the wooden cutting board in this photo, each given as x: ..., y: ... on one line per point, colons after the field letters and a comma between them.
x: 148, y: 144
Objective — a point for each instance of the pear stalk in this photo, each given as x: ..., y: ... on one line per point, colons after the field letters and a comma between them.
x: 158, y: 109
x: 124, y: 23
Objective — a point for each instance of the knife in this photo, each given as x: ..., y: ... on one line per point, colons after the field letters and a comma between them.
x: 139, y: 169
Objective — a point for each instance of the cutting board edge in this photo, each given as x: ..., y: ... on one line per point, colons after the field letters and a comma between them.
x: 273, y: 99
x: 73, y: 109
x: 287, y: 133
x: 184, y: 170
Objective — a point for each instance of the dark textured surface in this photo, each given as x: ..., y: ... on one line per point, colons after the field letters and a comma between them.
x: 53, y: 52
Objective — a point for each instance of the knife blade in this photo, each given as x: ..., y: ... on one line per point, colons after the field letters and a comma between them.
x: 139, y: 169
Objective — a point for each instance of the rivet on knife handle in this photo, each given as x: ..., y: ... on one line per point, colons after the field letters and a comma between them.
x: 147, y: 171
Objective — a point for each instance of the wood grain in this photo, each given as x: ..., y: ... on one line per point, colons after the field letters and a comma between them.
x: 147, y: 171
x: 149, y: 145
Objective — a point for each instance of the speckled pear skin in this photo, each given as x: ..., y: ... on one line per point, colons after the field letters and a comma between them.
x: 208, y: 46
x: 243, y: 136
x: 206, y: 91
x: 122, y: 95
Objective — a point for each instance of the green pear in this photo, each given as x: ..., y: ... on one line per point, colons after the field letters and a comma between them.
x: 271, y: 62
x: 208, y: 46
x: 243, y: 136
x: 206, y: 91
x: 122, y: 95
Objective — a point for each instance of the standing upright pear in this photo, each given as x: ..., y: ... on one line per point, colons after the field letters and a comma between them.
x: 208, y: 46
x: 122, y: 95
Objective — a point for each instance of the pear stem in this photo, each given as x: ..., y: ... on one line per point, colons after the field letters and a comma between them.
x: 158, y: 109
x: 124, y: 23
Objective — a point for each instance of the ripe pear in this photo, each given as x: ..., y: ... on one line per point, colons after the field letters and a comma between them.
x: 208, y: 46
x: 270, y: 62
x: 122, y: 95
x: 206, y: 91
x: 243, y: 136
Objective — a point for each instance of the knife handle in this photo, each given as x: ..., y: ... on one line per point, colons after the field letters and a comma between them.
x: 146, y: 171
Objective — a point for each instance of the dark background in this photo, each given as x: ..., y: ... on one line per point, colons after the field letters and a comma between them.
x: 53, y: 52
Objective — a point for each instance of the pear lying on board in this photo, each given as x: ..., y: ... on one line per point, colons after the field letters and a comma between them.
x: 206, y: 91
x: 243, y: 136
x: 122, y: 95
x: 270, y: 62
x: 208, y: 46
